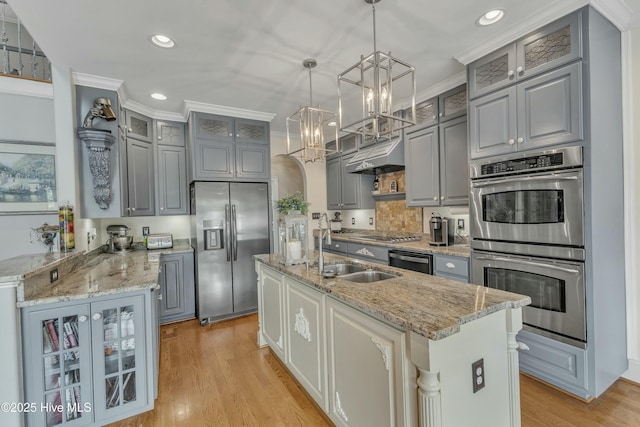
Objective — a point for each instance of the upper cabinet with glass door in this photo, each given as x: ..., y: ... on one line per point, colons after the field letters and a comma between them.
x: 553, y: 45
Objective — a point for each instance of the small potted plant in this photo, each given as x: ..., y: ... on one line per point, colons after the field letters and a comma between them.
x: 292, y: 229
x: 292, y: 203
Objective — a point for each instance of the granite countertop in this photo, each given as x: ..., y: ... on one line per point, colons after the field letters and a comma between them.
x: 430, y: 306
x: 97, y: 273
x: 418, y: 245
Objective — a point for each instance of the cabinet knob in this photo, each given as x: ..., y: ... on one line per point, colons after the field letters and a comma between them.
x: 441, y: 197
x: 230, y: 134
x: 435, y: 117
x: 511, y: 141
x: 96, y: 316
x: 161, y: 209
x: 522, y: 346
x: 520, y: 140
x: 440, y: 115
x: 450, y: 265
x: 435, y: 198
x: 159, y: 137
x: 82, y: 318
x: 237, y: 135
x: 133, y: 209
x: 510, y: 74
x: 337, y: 246
x: 520, y: 70
x: 130, y: 130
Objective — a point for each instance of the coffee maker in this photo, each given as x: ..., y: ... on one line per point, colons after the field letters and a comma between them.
x: 441, y: 230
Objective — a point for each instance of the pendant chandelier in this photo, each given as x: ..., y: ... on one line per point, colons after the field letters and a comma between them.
x: 372, y: 85
x: 314, y: 124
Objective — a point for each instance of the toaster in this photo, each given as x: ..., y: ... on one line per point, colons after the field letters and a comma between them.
x: 159, y: 241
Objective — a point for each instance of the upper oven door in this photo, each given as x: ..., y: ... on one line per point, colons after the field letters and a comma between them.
x: 533, y: 208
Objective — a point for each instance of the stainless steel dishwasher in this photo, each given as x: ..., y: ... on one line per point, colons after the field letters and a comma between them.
x: 415, y: 261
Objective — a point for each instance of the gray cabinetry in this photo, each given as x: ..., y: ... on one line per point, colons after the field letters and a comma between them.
x: 92, y: 358
x: 452, y: 103
x: 542, y: 111
x: 437, y: 171
x: 228, y: 148
x: 369, y: 252
x: 451, y: 267
x: 138, y: 126
x: 177, y: 287
x: 553, y: 45
x: 271, y: 309
x: 347, y: 190
x: 140, y: 199
x: 171, y: 165
x: 422, y: 167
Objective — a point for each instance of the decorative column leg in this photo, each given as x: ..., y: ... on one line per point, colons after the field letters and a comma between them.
x: 514, y: 324
x: 429, y: 404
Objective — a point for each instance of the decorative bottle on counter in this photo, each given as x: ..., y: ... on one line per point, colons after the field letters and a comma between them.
x: 65, y: 219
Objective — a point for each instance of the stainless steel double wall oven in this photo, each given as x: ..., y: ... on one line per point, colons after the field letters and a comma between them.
x: 527, y: 236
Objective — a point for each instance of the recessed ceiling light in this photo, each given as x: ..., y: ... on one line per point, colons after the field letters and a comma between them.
x: 491, y: 17
x: 162, y: 41
x: 158, y: 96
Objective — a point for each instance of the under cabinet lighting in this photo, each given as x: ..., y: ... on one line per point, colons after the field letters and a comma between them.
x: 159, y: 96
x: 162, y: 41
x: 491, y: 17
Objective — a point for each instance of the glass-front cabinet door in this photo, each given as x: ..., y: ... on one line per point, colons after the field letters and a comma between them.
x: 118, y: 357
x: 58, y: 371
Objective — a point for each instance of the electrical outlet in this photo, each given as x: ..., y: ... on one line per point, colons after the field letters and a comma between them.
x: 145, y: 231
x: 370, y: 221
x: 460, y: 224
x: 478, y: 375
x: 353, y: 221
x: 315, y: 215
x: 53, y: 275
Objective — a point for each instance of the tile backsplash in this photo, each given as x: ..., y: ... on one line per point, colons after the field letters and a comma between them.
x: 394, y: 215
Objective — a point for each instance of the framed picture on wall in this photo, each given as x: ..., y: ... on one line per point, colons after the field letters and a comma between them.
x: 27, y: 178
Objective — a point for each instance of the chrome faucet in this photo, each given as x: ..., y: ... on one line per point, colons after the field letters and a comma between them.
x: 322, y: 233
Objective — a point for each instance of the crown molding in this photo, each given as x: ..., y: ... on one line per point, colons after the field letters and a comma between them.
x: 96, y: 81
x: 138, y: 107
x: 441, y: 87
x: 617, y: 11
x: 201, y: 107
x: 518, y: 30
x: 26, y: 87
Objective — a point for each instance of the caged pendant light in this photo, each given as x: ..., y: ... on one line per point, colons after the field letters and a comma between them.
x: 314, y: 125
x: 375, y: 82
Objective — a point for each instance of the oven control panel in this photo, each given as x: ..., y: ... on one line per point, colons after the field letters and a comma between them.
x: 523, y: 164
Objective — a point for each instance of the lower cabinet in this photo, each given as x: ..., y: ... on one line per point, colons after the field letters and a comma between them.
x: 177, y: 287
x: 451, y: 267
x: 271, y: 309
x: 89, y: 362
x: 306, y: 338
x: 366, y: 361
x: 353, y: 365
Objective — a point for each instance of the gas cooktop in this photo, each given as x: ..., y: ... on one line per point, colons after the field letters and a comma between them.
x: 387, y: 238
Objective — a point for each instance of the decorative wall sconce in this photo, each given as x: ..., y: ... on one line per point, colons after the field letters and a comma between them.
x: 99, y: 142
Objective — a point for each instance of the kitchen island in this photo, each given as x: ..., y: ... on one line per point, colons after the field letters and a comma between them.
x: 361, y: 349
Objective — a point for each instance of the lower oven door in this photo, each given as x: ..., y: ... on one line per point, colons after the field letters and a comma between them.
x: 542, y: 208
x: 556, y: 289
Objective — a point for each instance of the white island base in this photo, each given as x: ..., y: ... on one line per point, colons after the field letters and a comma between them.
x: 364, y: 370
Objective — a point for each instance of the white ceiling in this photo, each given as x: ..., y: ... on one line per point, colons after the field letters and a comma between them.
x: 247, y: 54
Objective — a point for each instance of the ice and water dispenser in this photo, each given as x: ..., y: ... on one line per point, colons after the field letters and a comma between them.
x: 213, y: 234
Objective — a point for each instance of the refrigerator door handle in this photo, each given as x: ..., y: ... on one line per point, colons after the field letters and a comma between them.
x: 227, y: 226
x: 234, y: 231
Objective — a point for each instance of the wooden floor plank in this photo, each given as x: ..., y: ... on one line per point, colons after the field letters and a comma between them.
x: 215, y: 375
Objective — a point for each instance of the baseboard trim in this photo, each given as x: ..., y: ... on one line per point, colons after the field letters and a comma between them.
x: 633, y: 373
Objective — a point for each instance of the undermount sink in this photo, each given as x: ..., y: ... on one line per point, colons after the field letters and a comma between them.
x: 342, y: 269
x: 368, y: 276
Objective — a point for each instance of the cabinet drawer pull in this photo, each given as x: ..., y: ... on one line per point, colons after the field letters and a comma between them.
x: 82, y: 318
x: 522, y: 346
x: 96, y: 316
x: 450, y: 265
x: 160, y: 296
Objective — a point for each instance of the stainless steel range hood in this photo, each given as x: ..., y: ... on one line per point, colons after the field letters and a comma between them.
x: 380, y: 158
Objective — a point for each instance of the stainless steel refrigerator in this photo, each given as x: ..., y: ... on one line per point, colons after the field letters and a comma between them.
x: 229, y: 224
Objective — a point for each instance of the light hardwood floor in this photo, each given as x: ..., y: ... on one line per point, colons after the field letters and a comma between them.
x: 216, y: 376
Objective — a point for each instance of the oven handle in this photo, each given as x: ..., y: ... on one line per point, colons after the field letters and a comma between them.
x: 525, y: 179
x: 529, y: 263
x: 409, y: 258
